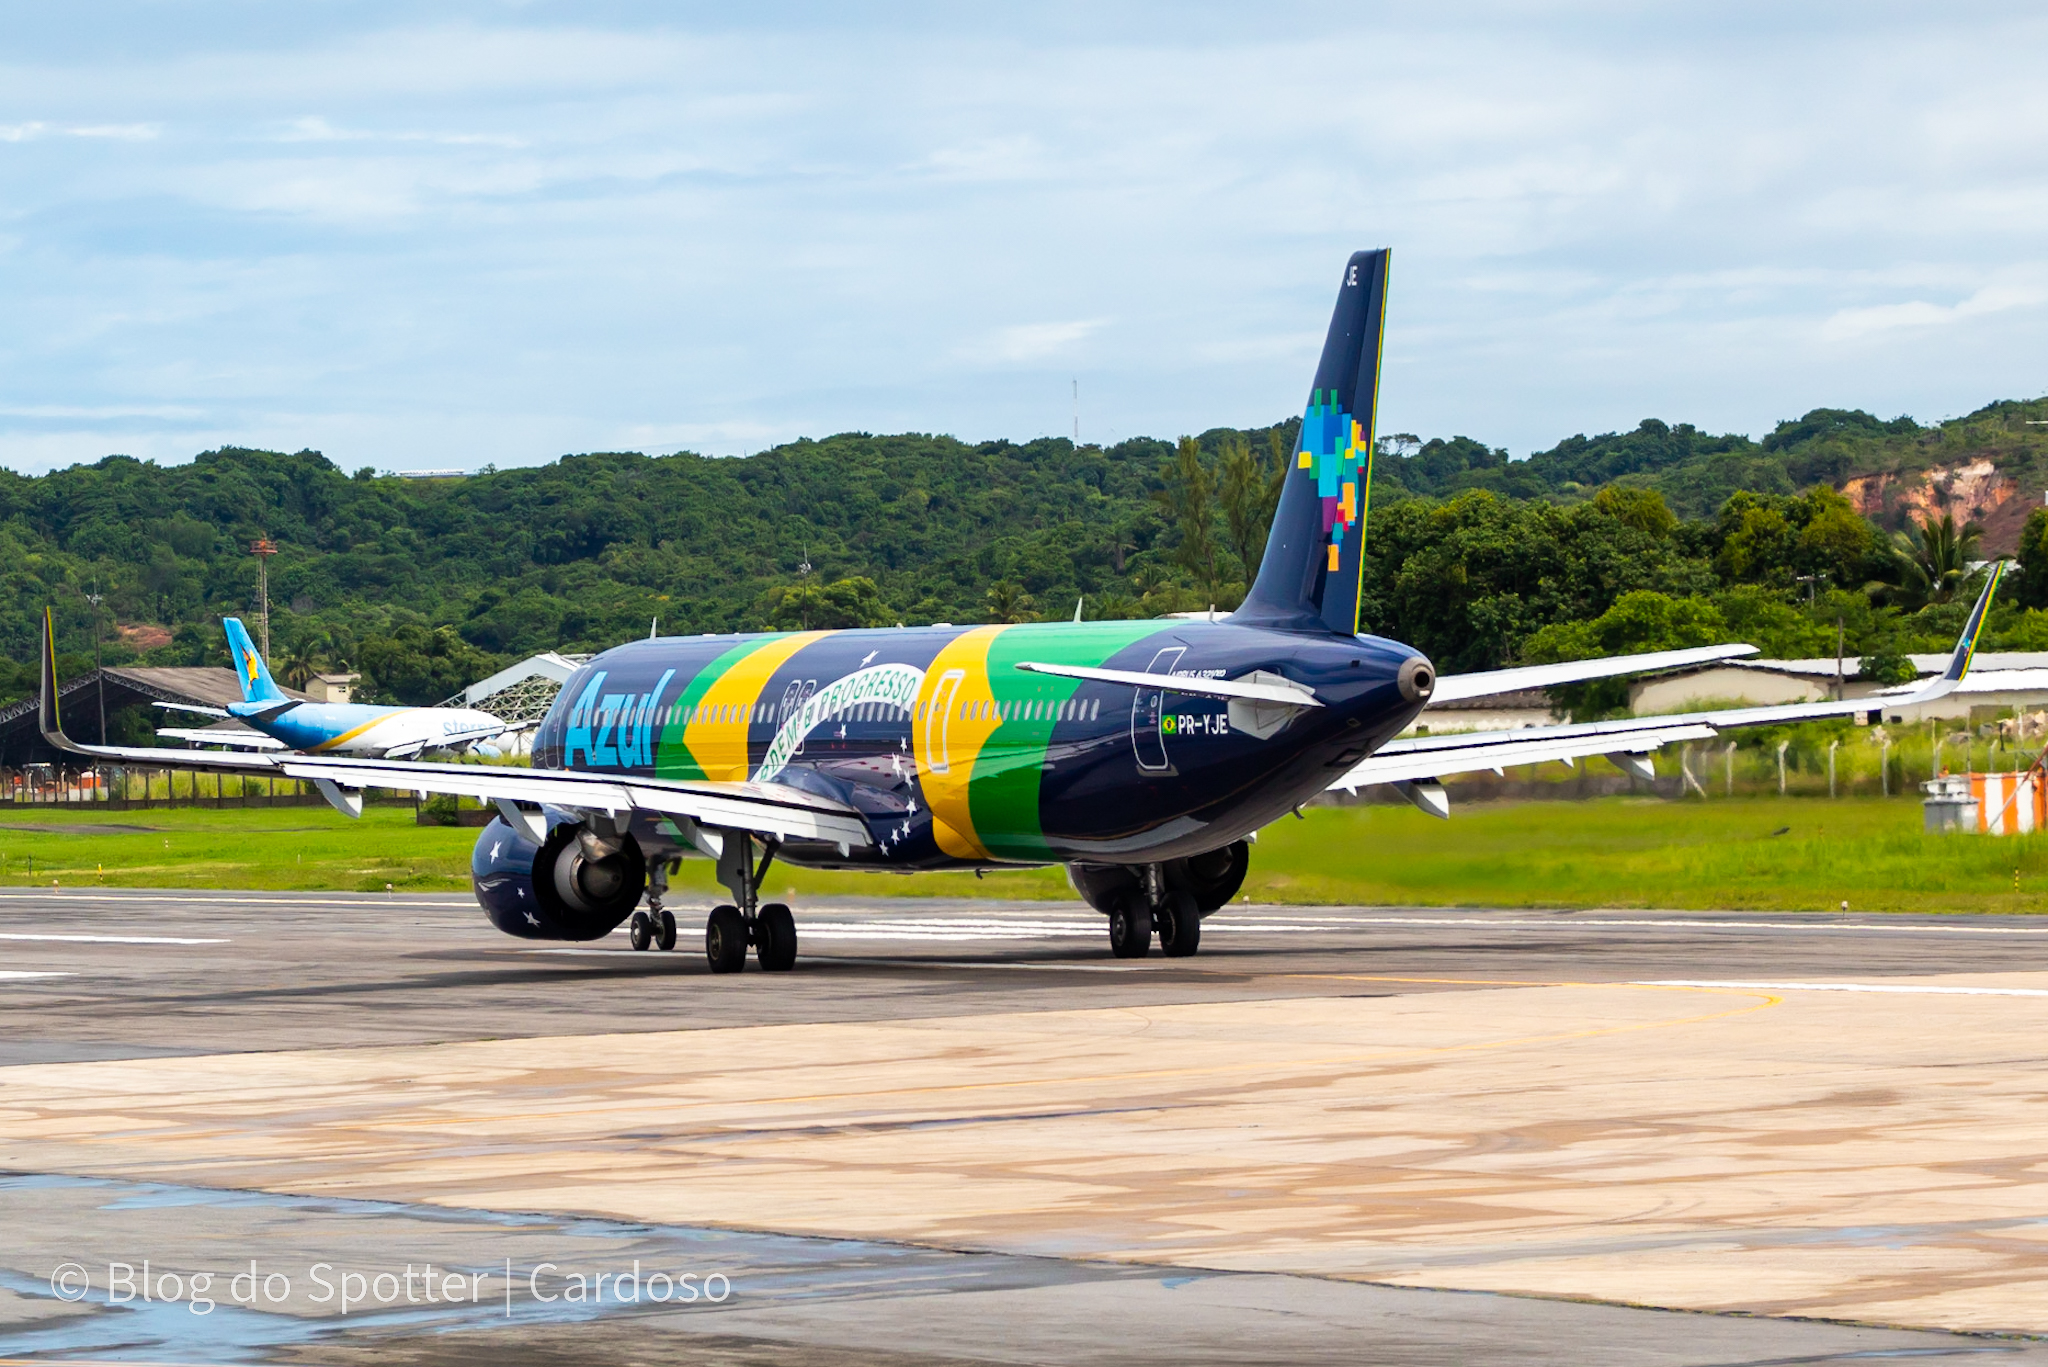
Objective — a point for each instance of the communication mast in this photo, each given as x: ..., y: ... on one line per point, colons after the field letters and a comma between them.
x: 263, y: 549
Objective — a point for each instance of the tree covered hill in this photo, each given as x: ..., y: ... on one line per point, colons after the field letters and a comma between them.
x: 1662, y: 535
x: 1696, y: 472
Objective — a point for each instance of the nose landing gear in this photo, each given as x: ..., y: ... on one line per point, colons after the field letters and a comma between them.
x: 655, y: 926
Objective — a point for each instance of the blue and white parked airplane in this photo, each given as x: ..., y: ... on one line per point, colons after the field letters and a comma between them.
x: 318, y: 728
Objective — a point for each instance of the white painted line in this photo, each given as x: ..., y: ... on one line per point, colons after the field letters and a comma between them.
x: 1902, y: 989
x: 113, y: 939
x: 40, y: 896
x: 1484, y: 921
x: 15, y: 975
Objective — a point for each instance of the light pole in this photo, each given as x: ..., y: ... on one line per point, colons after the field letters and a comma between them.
x: 263, y: 549
x: 95, y: 599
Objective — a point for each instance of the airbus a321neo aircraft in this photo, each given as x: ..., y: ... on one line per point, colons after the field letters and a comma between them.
x: 1141, y: 755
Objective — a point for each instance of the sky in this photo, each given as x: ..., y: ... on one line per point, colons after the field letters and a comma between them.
x: 446, y: 236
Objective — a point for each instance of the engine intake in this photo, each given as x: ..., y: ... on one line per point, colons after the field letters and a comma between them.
x: 575, y: 885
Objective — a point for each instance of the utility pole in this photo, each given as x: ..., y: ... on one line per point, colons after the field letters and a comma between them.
x: 94, y: 599
x: 263, y: 549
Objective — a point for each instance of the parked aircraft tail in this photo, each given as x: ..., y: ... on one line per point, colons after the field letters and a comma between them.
x: 250, y: 670
x: 1316, y: 551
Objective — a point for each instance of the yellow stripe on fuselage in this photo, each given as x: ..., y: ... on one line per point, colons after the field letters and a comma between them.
x: 947, y: 746
x: 345, y: 737
x: 718, y: 739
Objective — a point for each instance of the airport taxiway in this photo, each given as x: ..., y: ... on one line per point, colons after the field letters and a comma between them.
x: 962, y: 1132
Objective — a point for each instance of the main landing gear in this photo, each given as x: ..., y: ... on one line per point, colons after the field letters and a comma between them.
x: 1166, y: 901
x: 1151, y: 908
x: 770, y: 928
x: 730, y: 929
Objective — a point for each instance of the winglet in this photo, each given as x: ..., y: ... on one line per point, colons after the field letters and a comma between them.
x: 1966, y: 644
x: 46, y: 705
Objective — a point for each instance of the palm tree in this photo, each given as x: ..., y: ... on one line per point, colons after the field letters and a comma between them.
x: 1007, y: 602
x: 1933, y: 562
x: 300, y: 664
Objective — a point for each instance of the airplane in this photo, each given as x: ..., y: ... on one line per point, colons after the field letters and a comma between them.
x: 1144, y: 756
x: 287, y: 723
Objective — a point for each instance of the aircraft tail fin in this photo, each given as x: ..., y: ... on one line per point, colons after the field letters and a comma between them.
x: 250, y: 671
x: 1315, y: 554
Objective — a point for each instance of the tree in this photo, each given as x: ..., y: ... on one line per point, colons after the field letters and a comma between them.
x: 1932, y: 562
x: 1007, y: 602
x: 301, y: 663
x: 1190, y: 503
x: 1246, y: 511
x: 2033, y: 558
x: 808, y: 605
x: 1643, y: 509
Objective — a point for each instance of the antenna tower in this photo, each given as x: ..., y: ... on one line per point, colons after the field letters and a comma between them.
x: 263, y: 549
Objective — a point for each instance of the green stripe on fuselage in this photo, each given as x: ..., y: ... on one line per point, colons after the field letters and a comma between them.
x: 1003, y: 795
x: 672, y: 759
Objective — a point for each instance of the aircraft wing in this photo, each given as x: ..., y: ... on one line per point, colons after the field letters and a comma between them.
x: 1416, y: 762
x: 766, y: 808
x: 249, y: 740
x: 1456, y: 687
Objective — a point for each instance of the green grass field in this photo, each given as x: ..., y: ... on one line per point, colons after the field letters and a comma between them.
x: 1803, y: 854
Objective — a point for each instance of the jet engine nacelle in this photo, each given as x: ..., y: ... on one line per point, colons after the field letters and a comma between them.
x: 575, y: 885
x: 1212, y: 878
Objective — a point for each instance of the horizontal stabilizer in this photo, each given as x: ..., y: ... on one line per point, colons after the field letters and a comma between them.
x: 1286, y: 694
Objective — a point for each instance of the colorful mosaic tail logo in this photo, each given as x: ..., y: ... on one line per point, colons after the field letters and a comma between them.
x: 1310, y: 576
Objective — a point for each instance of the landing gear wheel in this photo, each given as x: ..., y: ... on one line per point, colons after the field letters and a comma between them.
x: 775, y: 938
x: 665, y: 931
x: 725, y: 940
x: 642, y: 930
x: 1130, y: 929
x: 1180, y: 925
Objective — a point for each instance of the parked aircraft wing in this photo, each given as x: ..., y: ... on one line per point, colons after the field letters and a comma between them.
x: 767, y: 808
x: 1455, y: 687
x: 245, y: 740
x: 1417, y: 759
x: 1285, y: 694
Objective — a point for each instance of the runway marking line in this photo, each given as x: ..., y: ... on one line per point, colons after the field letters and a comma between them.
x: 16, y: 975
x: 111, y: 939
x: 1768, y: 1000
x: 1908, y: 989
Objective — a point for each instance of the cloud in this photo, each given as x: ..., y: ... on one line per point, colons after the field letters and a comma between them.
x: 1855, y: 324
x: 1028, y: 342
x: 118, y: 132
x: 409, y: 241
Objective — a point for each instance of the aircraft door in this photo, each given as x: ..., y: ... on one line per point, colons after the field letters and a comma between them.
x: 1148, y: 739
x: 936, y: 718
